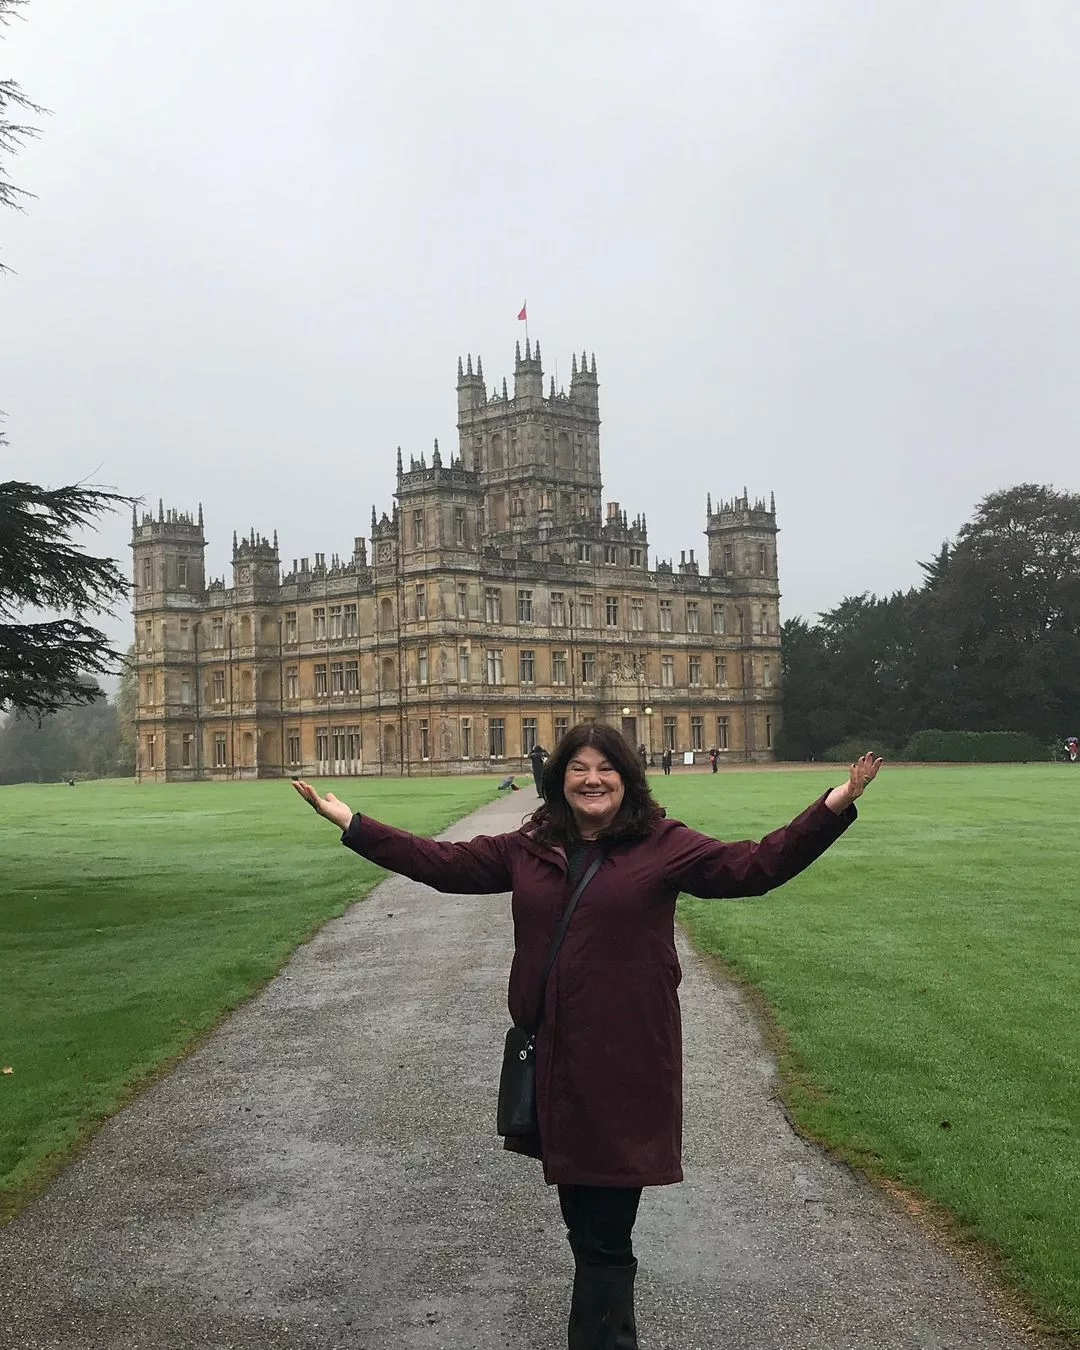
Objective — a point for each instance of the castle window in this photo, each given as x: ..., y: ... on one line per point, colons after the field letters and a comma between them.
x: 693, y: 622
x: 558, y: 609
x: 611, y: 611
x: 558, y: 667
x: 665, y: 616
x: 611, y: 555
x: 181, y: 573
x: 669, y: 733
x: 527, y: 668
x: 528, y: 734
x: 585, y: 611
x: 497, y: 738
x: 562, y: 726
x: 320, y: 678
x: 667, y: 671
x: 462, y: 601
x: 386, y: 614
x: 187, y: 740
x: 721, y: 670
x: 588, y: 667
x: 292, y: 682
x: 220, y: 759
x: 338, y: 734
x: 584, y: 551
x: 421, y: 600
x: 352, y: 677
x: 185, y: 634
x: 151, y: 752
x: 351, y: 627
x: 148, y: 688
x: 290, y: 625
x: 762, y: 559
x: 422, y: 665
x: 322, y: 745
x: 493, y: 605
x: 694, y: 668
x: 337, y: 627
x: 337, y: 677
x: 463, y: 665
x: 148, y: 634
x: 418, y: 529
x: 697, y: 733
x: 219, y: 686
x: 352, y: 741
x: 637, y: 557
x: 637, y: 615
x: 766, y: 672
x: 425, y: 739
x: 318, y: 623
x: 466, y: 738
x: 768, y: 732
x: 718, y: 618
x: 721, y: 733
x: 525, y: 608
x: 147, y: 574
x: 292, y: 746
x: 729, y: 558
x: 185, y: 690
x: 494, y: 666
x: 459, y: 524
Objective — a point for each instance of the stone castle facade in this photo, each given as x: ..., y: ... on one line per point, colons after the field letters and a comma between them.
x: 497, y: 605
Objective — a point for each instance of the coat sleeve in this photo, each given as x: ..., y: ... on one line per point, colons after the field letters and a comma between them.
x: 711, y: 869
x: 477, y: 867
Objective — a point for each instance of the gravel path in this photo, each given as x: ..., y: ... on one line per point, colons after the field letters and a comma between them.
x: 324, y: 1172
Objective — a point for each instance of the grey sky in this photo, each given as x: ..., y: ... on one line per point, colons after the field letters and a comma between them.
x: 826, y: 249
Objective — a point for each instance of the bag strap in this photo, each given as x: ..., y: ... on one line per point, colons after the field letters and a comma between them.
x: 564, y: 924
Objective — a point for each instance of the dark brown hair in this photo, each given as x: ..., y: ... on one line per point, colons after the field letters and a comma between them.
x: 554, y: 823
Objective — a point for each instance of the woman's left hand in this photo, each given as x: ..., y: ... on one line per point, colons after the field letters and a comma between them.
x: 861, y: 774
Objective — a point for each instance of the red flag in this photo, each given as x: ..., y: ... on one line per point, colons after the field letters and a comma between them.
x: 522, y: 314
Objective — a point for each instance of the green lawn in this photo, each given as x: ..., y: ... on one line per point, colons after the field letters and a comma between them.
x: 925, y: 979
x: 132, y: 917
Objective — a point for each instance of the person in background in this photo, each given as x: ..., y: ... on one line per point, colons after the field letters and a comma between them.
x: 643, y: 755
x: 714, y: 758
x: 537, y: 756
x: 609, y: 1041
x: 665, y: 760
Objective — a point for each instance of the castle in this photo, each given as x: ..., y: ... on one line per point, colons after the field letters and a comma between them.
x: 496, y: 606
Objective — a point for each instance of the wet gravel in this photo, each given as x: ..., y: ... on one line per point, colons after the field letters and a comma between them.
x: 324, y: 1172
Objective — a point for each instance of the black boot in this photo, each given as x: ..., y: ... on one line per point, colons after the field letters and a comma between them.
x: 602, y: 1308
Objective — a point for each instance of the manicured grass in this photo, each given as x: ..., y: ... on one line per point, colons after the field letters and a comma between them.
x: 925, y: 978
x: 132, y: 917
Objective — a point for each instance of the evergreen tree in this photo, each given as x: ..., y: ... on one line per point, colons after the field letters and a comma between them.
x: 43, y: 662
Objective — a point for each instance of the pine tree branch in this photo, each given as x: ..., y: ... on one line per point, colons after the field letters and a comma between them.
x: 44, y: 666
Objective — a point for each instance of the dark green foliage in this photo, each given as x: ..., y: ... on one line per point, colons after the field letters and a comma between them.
x: 79, y: 741
x: 985, y: 747
x: 991, y: 640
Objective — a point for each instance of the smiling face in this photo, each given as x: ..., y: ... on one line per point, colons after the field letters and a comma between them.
x: 593, y: 789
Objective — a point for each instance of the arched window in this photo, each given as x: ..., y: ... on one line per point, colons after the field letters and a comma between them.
x: 498, y: 452
x: 389, y: 742
x: 564, y: 452
x: 386, y: 615
x: 389, y: 674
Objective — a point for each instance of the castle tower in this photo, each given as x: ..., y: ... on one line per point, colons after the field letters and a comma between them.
x: 532, y: 453
x: 169, y: 593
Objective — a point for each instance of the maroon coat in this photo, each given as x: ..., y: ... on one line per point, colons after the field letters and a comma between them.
x: 609, y: 1047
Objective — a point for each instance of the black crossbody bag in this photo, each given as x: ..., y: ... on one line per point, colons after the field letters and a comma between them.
x: 517, y: 1082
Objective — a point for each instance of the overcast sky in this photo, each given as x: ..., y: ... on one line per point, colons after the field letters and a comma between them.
x: 824, y: 249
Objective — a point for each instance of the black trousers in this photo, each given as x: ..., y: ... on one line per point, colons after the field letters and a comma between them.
x: 600, y: 1222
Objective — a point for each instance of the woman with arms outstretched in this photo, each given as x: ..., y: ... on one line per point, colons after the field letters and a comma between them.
x: 609, y: 1039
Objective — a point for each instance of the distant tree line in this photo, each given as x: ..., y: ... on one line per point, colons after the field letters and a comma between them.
x: 990, y: 642
x: 91, y: 738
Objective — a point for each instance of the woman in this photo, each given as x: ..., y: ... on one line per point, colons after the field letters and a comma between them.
x: 609, y: 1043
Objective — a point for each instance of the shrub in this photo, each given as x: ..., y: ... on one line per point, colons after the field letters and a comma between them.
x: 983, y: 747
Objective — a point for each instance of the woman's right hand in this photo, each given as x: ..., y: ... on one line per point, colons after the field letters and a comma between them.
x: 327, y: 806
